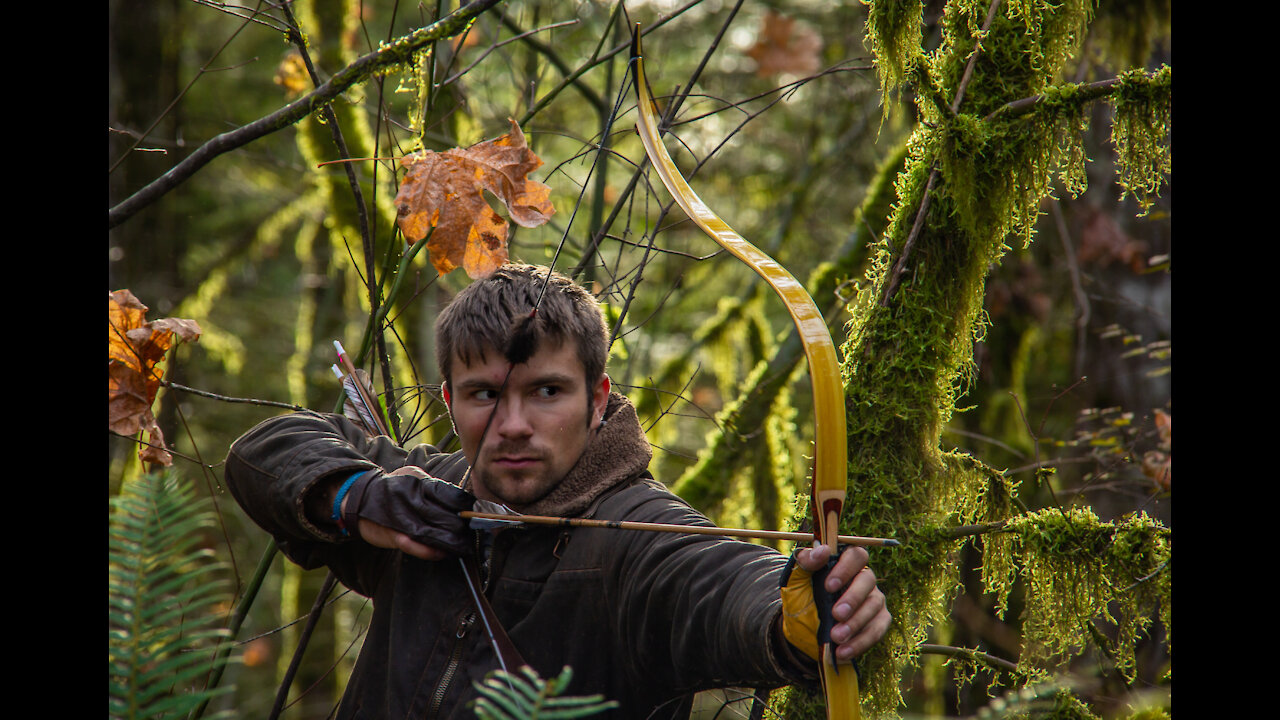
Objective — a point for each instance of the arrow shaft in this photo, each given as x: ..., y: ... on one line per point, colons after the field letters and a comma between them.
x: 671, y: 528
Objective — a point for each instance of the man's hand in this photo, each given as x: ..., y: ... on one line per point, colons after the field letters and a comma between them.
x: 434, y: 516
x: 859, y: 611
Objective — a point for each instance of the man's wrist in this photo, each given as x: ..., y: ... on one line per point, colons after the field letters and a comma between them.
x: 793, y: 661
x: 339, y: 503
x: 322, y: 497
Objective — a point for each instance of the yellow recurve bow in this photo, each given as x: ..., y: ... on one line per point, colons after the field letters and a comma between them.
x: 839, y: 680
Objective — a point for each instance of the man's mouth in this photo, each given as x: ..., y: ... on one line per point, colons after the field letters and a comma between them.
x: 514, y: 462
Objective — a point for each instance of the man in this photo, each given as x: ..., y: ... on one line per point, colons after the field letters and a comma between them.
x: 645, y: 619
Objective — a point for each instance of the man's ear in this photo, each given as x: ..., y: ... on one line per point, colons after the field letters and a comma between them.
x: 448, y: 404
x: 600, y: 399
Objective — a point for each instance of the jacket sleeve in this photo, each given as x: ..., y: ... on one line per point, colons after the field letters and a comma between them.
x: 271, y: 469
x: 703, y: 608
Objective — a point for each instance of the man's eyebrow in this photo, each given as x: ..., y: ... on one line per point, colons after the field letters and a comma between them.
x: 551, y: 377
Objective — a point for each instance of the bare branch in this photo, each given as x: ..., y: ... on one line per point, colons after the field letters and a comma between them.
x: 393, y: 54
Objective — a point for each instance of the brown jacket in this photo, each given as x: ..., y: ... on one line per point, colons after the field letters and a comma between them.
x: 645, y: 619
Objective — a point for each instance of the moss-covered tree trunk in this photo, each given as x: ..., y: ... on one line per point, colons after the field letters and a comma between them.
x: 971, y: 180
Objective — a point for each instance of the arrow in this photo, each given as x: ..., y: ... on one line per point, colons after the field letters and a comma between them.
x: 668, y: 528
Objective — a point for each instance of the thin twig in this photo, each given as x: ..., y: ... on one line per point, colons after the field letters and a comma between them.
x: 182, y: 93
x: 588, y: 93
x: 951, y: 651
x: 312, y: 619
x: 357, y: 71
x: 1087, y: 91
x: 362, y: 216
x: 1077, y: 287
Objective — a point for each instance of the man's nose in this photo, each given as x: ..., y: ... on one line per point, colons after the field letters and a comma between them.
x: 512, y: 419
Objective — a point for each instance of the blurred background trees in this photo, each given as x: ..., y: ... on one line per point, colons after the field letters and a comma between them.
x: 783, y: 129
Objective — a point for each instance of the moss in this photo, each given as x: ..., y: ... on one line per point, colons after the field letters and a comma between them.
x: 1079, y: 569
x: 1140, y: 132
x: 1069, y: 707
x: 892, y: 34
x: 908, y: 358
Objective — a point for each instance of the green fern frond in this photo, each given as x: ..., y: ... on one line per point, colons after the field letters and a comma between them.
x: 164, y: 592
x: 508, y: 696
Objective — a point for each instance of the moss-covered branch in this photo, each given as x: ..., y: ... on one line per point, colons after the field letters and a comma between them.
x: 976, y: 172
x: 384, y: 58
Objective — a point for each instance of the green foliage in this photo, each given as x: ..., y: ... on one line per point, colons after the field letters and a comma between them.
x: 527, y: 696
x: 1079, y: 570
x: 1141, y: 131
x: 893, y: 31
x: 998, y: 172
x: 165, y: 596
x: 908, y: 356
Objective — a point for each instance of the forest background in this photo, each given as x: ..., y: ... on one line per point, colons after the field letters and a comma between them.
x: 793, y: 125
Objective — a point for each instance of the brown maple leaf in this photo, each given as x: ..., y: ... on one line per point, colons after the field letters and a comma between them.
x: 446, y: 190
x: 785, y: 47
x: 135, y: 348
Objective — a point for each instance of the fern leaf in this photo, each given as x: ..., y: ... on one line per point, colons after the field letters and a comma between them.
x: 507, y: 696
x: 164, y: 595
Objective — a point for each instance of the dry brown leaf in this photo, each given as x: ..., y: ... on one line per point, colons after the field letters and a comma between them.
x: 135, y: 348
x: 1164, y: 425
x: 1158, y: 464
x: 1103, y: 242
x: 1159, y: 467
x: 466, y: 41
x: 445, y: 191
x: 785, y: 47
x: 291, y: 74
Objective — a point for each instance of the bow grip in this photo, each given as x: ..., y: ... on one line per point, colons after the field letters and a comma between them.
x: 824, y: 601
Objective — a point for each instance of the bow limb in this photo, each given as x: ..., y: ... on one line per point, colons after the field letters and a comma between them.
x: 840, y: 683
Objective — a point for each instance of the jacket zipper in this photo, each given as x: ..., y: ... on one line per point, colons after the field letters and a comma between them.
x: 455, y: 658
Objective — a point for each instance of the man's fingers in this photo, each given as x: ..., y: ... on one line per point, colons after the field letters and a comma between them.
x: 384, y: 537
x: 411, y: 547
x: 813, y: 559
x: 867, y: 634
x: 851, y: 562
x: 862, y: 619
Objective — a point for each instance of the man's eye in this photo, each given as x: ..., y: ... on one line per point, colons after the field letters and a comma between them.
x: 484, y: 395
x: 547, y: 391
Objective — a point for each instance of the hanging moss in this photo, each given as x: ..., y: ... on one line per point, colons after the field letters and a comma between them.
x: 1140, y: 132
x: 893, y: 35
x: 908, y: 355
x: 1079, y: 569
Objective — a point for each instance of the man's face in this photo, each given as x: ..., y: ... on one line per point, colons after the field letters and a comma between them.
x: 542, y: 421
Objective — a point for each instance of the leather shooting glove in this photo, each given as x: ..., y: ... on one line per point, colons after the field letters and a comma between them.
x: 803, y: 600
x: 423, y: 508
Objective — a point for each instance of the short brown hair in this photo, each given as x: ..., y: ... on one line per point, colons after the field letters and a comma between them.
x: 485, y: 315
